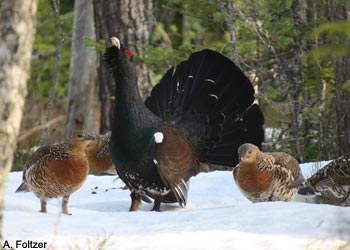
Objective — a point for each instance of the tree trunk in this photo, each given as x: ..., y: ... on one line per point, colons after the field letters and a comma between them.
x: 295, y: 75
x: 82, y: 92
x: 229, y: 8
x: 17, y: 26
x: 341, y: 66
x: 342, y: 96
x: 104, y: 27
x: 127, y: 20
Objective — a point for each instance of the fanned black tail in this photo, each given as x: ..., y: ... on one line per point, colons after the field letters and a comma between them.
x: 211, y: 101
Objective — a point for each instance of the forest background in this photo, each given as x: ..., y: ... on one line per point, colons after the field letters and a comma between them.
x: 296, y: 54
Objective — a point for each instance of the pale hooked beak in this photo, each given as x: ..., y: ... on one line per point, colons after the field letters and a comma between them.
x: 115, y: 41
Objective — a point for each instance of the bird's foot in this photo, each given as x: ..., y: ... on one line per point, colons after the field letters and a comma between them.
x: 43, y: 208
x: 66, y: 212
x: 135, y: 202
x: 65, y: 200
x: 156, y: 206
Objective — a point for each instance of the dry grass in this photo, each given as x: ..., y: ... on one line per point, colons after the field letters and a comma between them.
x: 100, y: 242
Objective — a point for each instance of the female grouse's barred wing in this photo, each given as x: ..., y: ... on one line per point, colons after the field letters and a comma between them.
x: 333, y: 180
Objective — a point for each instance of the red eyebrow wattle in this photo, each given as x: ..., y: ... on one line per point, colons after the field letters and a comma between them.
x: 128, y: 53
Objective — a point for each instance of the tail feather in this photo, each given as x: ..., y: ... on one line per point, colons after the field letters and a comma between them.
x: 23, y: 188
x: 180, y: 190
x: 166, y: 100
x: 210, y: 101
x: 183, y: 92
x: 246, y: 128
x: 204, y: 102
x: 157, y: 107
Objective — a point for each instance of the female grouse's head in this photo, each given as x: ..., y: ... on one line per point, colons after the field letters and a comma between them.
x: 249, y: 153
x: 79, y: 140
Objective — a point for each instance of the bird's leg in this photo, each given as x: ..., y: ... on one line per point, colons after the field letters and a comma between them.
x: 157, y: 202
x: 43, y: 206
x: 65, y: 200
x: 135, y: 202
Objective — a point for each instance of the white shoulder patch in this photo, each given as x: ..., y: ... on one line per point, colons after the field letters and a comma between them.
x: 158, y: 137
x: 215, y: 96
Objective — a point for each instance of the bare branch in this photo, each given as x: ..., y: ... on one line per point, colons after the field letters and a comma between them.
x: 46, y: 125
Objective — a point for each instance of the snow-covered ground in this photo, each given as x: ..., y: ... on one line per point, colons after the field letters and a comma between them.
x: 217, y: 216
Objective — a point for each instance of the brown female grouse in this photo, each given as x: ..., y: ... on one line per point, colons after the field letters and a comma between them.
x: 98, y: 156
x: 57, y: 170
x: 266, y: 176
x: 333, y: 181
x: 199, y: 112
